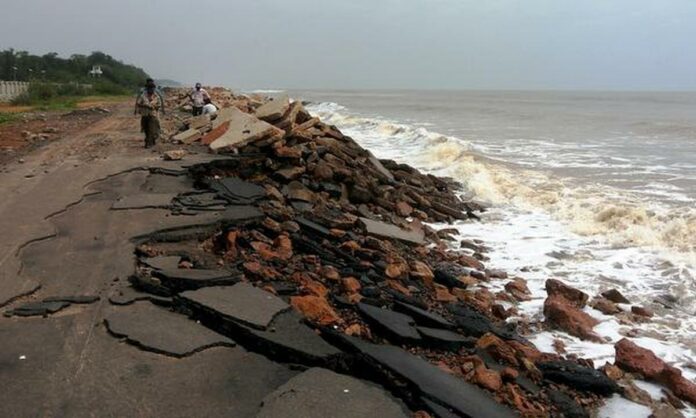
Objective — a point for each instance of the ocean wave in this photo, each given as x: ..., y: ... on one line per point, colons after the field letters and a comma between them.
x: 622, y: 217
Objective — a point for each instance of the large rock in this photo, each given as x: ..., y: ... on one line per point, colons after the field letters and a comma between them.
x: 242, y: 302
x: 316, y: 309
x: 244, y: 129
x: 615, y: 296
x: 564, y: 315
x: 320, y: 393
x: 161, y: 331
x: 557, y: 288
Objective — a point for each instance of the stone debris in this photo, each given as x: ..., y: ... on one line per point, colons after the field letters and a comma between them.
x: 298, y: 244
x: 174, y: 155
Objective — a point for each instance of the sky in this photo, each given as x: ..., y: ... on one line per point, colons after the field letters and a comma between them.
x: 375, y: 44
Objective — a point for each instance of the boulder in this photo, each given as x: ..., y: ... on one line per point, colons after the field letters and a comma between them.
x: 188, y: 136
x: 615, y: 296
x: 605, y: 306
x: 576, y: 297
x: 315, y: 309
x: 564, y: 315
x: 274, y: 108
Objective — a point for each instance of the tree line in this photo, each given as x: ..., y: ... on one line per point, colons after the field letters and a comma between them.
x: 50, y: 68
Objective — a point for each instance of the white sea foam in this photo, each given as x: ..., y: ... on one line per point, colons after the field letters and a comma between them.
x: 539, y: 226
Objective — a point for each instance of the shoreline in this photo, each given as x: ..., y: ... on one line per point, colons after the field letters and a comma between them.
x: 301, y: 249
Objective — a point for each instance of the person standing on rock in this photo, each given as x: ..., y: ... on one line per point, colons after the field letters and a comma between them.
x: 149, y: 105
x: 198, y: 99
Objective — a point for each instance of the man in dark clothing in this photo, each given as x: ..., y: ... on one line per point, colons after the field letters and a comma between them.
x: 149, y: 105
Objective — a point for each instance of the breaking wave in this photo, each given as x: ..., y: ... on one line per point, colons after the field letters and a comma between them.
x: 622, y: 217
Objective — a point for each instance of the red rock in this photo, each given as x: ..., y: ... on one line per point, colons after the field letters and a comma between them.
x: 314, y: 288
x: 216, y: 133
x: 497, y: 348
x: 486, y: 378
x: 350, y: 285
x: 559, y: 346
x: 525, y: 407
x: 337, y: 233
x: 232, y: 252
x: 353, y: 330
x: 421, y: 271
x: 525, y: 351
x: 442, y: 294
x: 636, y: 359
x: 562, y: 314
x: 274, y: 193
x: 288, y: 152
x: 395, y: 270
x: 272, y: 225
x: 576, y: 297
x: 678, y: 384
x: 509, y: 374
x: 283, y: 246
x: 403, y: 209
x: 518, y: 288
x: 605, y: 306
x: 613, y: 372
x: 615, y: 296
x: 315, y: 309
x: 398, y: 287
x: 330, y: 273
x: 500, y: 312
x: 323, y: 171
x: 470, y: 261
x: 641, y: 311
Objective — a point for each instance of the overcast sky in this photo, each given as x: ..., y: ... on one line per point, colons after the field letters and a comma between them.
x: 420, y: 44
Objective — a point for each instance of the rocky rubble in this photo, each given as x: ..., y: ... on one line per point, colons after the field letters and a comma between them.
x: 322, y: 256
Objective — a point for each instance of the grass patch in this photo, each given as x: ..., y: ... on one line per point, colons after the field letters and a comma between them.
x: 8, y: 117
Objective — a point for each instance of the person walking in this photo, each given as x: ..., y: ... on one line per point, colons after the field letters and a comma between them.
x: 198, y: 99
x: 149, y: 105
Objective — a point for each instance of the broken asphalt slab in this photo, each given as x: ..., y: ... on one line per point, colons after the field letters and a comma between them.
x: 37, y: 308
x: 433, y: 383
x: 190, y: 279
x: 242, y: 302
x: 161, y: 331
x: 321, y: 393
x: 144, y: 201
x: 396, y: 325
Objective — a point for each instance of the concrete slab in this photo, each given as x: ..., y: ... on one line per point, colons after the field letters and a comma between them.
x: 242, y: 302
x: 244, y: 129
x: 380, y: 168
x: 188, y: 136
x: 37, y: 309
x: 386, y: 230
x: 161, y: 331
x: 197, y: 122
x: 274, y: 108
x: 321, y: 393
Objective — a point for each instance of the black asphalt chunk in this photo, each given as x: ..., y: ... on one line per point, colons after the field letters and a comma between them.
x: 144, y: 201
x: 190, y: 279
x: 433, y: 383
x: 242, y: 302
x: 287, y: 337
x: 82, y: 299
x: 37, y: 308
x: 162, y: 262
x: 396, y: 325
x: 161, y: 331
x: 443, y: 338
x: 127, y: 294
x: 321, y: 393
x: 423, y: 317
x: 567, y: 405
x: 311, y: 226
x: 578, y: 377
x: 439, y: 410
x: 237, y: 191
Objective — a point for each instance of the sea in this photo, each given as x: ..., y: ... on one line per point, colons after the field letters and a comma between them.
x: 597, y: 189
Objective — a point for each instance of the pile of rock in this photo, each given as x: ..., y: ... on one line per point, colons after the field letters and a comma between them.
x: 313, y: 251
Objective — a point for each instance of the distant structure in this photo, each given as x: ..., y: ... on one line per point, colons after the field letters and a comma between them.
x: 96, y: 71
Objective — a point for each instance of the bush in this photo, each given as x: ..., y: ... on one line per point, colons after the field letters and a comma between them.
x: 107, y: 87
x: 44, y: 92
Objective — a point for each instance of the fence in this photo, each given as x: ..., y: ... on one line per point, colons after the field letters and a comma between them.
x: 11, y: 89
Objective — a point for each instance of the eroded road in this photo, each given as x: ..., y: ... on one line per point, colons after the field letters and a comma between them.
x: 61, y: 240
